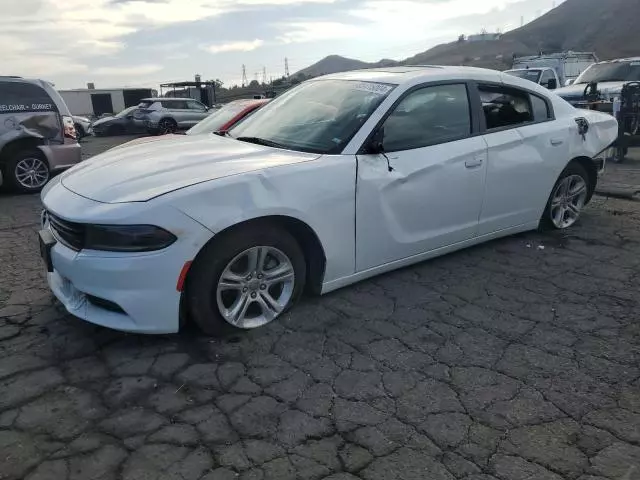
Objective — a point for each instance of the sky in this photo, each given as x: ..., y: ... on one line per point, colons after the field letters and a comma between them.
x: 142, y: 43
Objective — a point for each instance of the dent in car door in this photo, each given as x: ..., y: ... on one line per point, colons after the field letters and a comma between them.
x: 433, y: 195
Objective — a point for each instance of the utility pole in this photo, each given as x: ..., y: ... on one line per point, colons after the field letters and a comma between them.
x: 244, y: 76
x: 264, y: 75
x: 286, y: 67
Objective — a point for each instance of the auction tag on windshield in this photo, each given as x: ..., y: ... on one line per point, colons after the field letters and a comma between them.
x: 635, y: 64
x: 377, y: 88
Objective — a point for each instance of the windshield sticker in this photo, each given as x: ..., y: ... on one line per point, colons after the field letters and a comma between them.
x: 635, y: 64
x: 377, y: 88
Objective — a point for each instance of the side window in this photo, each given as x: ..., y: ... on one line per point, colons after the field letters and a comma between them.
x: 546, y: 76
x: 195, y: 106
x: 24, y: 97
x: 504, y: 106
x: 175, y: 105
x: 540, y: 107
x: 428, y: 116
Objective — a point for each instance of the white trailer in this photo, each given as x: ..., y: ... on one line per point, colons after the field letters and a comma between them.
x: 567, y: 65
x: 94, y: 102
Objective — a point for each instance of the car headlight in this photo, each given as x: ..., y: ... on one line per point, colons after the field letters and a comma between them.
x: 127, y: 238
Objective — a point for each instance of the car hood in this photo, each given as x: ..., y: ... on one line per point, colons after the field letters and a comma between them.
x: 142, y: 170
x: 573, y: 92
x: 103, y: 121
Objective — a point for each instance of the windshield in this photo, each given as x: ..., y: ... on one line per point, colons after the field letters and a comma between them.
x: 611, y: 72
x: 126, y: 112
x: 217, y: 119
x: 530, y: 74
x: 320, y: 116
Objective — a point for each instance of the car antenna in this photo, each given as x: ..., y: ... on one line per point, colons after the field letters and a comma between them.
x: 389, y: 167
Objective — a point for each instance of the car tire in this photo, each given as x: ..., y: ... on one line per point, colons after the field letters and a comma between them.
x: 79, y: 131
x: 208, y: 298
x: 167, y: 126
x: 27, y: 171
x: 567, y: 199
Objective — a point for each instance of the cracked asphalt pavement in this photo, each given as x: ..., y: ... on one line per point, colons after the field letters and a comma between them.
x: 514, y: 360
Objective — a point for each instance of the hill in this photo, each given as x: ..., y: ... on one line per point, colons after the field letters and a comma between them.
x: 336, y: 63
x: 609, y: 28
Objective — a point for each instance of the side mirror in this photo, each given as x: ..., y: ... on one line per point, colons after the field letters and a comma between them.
x: 129, y: 117
x: 552, y: 84
x: 376, y: 143
x: 568, y: 82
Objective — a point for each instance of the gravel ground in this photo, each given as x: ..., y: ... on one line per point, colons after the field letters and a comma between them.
x: 514, y: 360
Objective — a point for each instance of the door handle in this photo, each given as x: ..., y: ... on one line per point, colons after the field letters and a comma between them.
x: 475, y: 162
x: 556, y: 141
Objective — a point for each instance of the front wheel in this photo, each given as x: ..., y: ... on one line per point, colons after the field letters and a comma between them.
x: 245, y: 279
x: 567, y: 199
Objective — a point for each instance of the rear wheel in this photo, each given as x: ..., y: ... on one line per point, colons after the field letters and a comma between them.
x: 166, y: 126
x: 79, y: 131
x: 28, y: 171
x: 245, y: 280
x: 567, y: 199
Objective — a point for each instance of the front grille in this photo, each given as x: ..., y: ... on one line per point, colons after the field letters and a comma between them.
x: 68, y: 233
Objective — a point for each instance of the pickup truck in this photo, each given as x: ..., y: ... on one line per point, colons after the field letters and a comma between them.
x: 545, y: 76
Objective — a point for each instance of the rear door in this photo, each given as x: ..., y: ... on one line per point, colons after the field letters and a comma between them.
x: 426, y: 191
x: 27, y: 110
x: 526, y: 154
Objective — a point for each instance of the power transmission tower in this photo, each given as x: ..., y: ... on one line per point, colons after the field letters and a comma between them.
x: 244, y: 76
x: 264, y: 75
x: 286, y: 67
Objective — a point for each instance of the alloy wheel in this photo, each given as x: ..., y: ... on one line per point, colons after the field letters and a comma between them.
x: 32, y: 173
x: 255, y: 287
x: 567, y: 201
x: 167, y: 126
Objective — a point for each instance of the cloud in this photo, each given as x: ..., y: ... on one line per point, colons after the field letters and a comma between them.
x: 246, y: 46
x: 128, y: 70
x: 299, y: 32
x: 422, y: 15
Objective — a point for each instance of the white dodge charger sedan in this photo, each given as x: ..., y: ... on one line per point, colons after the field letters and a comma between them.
x: 339, y: 179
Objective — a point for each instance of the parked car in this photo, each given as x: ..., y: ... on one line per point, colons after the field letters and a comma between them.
x: 223, y: 119
x: 82, y: 126
x: 37, y: 136
x: 168, y: 115
x: 120, y: 124
x: 567, y: 66
x: 547, y: 77
x: 338, y: 179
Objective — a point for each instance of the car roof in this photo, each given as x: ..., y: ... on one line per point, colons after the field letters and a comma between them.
x: 621, y: 60
x: 166, y: 99
x: 248, y: 101
x: 413, y: 73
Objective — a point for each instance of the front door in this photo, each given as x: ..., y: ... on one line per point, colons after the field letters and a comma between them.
x: 426, y: 191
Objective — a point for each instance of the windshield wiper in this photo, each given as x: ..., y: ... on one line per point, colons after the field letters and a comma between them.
x: 261, y: 141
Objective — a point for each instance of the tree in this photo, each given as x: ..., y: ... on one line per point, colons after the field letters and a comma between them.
x: 254, y: 83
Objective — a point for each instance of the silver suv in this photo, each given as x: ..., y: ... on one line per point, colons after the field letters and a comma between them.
x: 166, y: 115
x: 37, y: 135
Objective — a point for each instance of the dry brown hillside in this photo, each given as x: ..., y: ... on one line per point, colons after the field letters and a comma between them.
x: 611, y: 28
